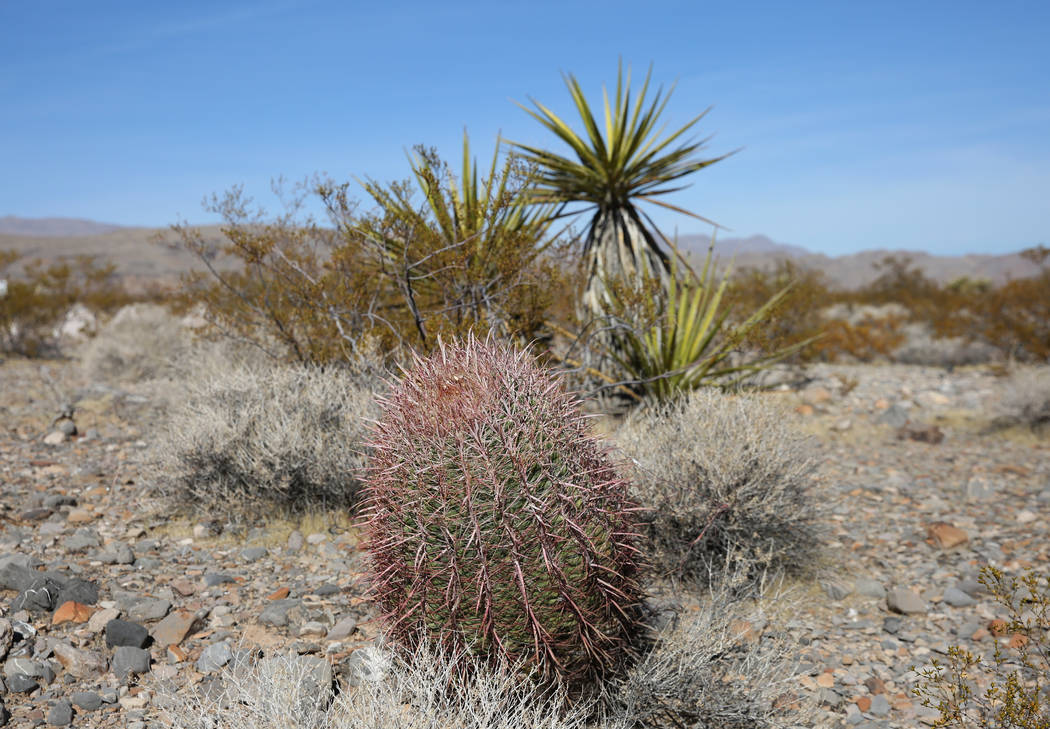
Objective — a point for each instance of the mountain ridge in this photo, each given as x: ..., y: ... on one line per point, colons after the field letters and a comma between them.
x: 138, y: 254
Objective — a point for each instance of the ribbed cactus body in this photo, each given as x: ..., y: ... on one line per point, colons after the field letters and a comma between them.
x: 496, y: 522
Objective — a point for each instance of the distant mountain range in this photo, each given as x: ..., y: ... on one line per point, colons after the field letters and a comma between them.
x: 13, y: 225
x: 140, y: 256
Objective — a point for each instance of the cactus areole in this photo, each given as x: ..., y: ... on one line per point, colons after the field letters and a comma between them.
x: 495, y: 521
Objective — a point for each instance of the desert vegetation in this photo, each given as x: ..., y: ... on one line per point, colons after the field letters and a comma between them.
x: 423, y: 367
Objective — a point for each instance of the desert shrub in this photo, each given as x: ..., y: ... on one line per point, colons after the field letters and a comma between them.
x: 37, y: 298
x: 1012, y: 689
x: 497, y: 523
x: 140, y: 342
x: 422, y: 690
x: 795, y: 318
x: 1026, y: 399
x: 722, y: 476
x: 440, y: 257
x: 250, y: 439
x: 1015, y: 317
x: 715, y: 667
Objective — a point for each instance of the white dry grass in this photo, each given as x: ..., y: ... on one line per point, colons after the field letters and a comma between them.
x: 141, y: 342
x: 1025, y: 398
x: 723, y: 475
x: 716, y: 666
x: 420, y: 691
x: 249, y: 439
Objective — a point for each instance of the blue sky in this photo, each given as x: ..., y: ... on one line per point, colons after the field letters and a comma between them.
x: 917, y: 125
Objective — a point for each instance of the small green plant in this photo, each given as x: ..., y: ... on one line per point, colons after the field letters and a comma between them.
x: 1010, y: 690
x: 497, y: 524
x: 669, y: 342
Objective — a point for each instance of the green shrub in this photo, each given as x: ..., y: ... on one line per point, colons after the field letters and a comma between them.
x: 1012, y: 690
x: 497, y: 524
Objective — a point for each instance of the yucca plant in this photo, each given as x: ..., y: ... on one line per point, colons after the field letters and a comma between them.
x: 460, y: 255
x: 684, y: 340
x: 497, y: 524
x: 611, y: 170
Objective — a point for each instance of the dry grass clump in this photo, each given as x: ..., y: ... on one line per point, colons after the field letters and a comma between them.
x: 257, y: 437
x: 423, y: 690
x: 1026, y: 399
x: 141, y: 342
x: 722, y: 476
x: 712, y: 668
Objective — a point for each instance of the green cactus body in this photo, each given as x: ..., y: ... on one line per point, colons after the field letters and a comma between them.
x: 496, y: 523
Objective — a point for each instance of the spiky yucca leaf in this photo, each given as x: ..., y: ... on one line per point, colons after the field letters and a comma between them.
x: 611, y: 168
x: 688, y: 344
x: 496, y: 521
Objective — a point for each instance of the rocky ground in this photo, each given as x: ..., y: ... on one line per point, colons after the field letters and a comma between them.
x: 105, y: 600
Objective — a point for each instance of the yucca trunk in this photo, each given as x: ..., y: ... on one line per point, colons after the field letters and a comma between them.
x: 619, y: 247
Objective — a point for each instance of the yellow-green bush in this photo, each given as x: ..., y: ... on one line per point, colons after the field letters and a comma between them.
x: 1010, y: 690
x: 41, y: 294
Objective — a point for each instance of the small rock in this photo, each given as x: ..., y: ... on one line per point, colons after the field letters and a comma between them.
x: 125, y: 633
x: 312, y: 629
x: 204, y: 531
x: 133, y: 703
x: 276, y: 613
x: 835, y: 588
x: 213, y: 579
x: 6, y: 637
x: 149, y: 608
x: 279, y: 594
x: 99, y: 620
x: 80, y: 516
x: 21, y: 684
x: 174, y: 628
x: 78, y: 662
x: 1026, y: 516
x: 118, y: 553
x: 214, y: 657
x: 870, y: 588
x: 880, y: 705
x: 1044, y: 496
x: 86, y: 700
x: 61, y: 714
x: 343, y: 629
x: 71, y: 612
x: 253, y: 554
x: 904, y: 601
x: 957, y: 598
x: 128, y: 660
x: 946, y: 536
x: 55, y: 437
x: 295, y: 541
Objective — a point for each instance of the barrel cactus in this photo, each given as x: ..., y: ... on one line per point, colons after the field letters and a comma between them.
x: 495, y: 522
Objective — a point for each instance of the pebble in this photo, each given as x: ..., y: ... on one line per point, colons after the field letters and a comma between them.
x: 904, y: 601
x: 61, y: 714
x: 870, y: 588
x: 957, y: 598
x: 86, y: 700
x: 128, y: 660
x: 125, y: 633
x: 214, y: 657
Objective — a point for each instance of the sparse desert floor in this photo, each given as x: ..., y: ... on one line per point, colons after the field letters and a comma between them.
x: 75, y: 508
